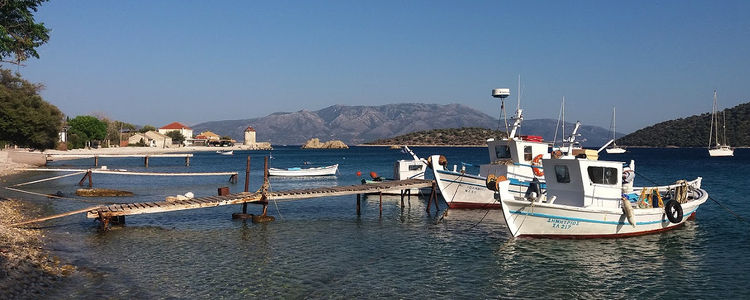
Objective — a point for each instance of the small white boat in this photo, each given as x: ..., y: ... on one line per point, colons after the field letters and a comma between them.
x: 225, y: 152
x: 591, y: 199
x: 296, y: 171
x: 405, y: 169
x: 614, y: 149
x: 718, y: 149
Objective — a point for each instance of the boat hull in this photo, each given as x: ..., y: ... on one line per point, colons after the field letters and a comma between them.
x: 527, y: 219
x: 320, y: 171
x: 615, y: 150
x: 471, y: 192
x: 721, y: 152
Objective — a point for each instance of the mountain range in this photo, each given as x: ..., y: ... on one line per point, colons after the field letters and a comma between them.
x: 359, y: 124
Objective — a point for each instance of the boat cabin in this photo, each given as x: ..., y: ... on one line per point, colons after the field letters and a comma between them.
x: 583, y: 182
x: 512, y: 153
x: 408, y: 169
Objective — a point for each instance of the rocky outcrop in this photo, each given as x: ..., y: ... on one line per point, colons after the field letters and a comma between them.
x: 315, y: 143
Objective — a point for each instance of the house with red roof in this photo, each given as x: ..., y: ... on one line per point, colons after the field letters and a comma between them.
x: 186, y: 131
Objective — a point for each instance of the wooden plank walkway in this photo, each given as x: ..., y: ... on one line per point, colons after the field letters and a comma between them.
x: 117, y: 155
x: 117, y: 210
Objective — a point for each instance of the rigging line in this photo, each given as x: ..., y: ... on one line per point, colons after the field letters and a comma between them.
x: 275, y: 204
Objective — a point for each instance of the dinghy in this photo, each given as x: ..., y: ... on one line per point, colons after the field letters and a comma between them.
x: 296, y: 171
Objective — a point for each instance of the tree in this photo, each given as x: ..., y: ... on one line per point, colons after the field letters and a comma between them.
x: 25, y: 118
x: 147, y: 128
x: 177, y: 137
x: 84, y: 129
x: 20, y: 35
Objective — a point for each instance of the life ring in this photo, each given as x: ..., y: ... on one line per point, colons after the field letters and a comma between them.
x: 536, y: 165
x: 673, y: 210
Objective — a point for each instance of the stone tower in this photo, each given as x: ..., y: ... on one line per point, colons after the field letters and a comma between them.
x: 249, y: 136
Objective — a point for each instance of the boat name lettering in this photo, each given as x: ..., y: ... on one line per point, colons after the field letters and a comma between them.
x: 562, y: 223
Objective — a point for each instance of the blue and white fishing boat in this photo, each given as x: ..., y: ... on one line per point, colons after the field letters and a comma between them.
x: 586, y: 198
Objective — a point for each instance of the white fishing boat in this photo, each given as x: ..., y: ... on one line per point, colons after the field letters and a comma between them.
x: 225, y: 152
x: 296, y: 171
x: 718, y: 149
x: 614, y: 149
x: 590, y: 199
x: 516, y: 157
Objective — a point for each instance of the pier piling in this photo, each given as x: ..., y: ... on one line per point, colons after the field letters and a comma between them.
x: 359, y: 196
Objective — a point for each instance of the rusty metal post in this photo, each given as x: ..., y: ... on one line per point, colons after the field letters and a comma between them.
x: 91, y: 183
x: 247, y: 184
x: 381, y: 203
x: 145, y: 161
x: 247, y: 175
x: 83, y: 178
x: 402, y: 197
x: 265, y: 182
x: 429, y: 202
x: 358, y: 203
x: 434, y: 196
x: 96, y: 160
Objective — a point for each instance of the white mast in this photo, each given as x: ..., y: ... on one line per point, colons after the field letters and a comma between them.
x: 614, y: 130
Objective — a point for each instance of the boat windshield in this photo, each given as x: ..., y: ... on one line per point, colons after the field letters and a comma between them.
x: 502, y: 151
x: 603, y: 175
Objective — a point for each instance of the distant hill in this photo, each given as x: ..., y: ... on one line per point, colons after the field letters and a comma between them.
x: 449, y: 136
x: 693, y: 131
x: 359, y: 124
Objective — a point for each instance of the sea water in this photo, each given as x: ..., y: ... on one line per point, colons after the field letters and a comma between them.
x: 320, y: 248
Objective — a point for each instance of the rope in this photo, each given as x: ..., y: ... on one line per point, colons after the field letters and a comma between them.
x: 275, y: 204
x: 48, y: 179
x: 56, y: 216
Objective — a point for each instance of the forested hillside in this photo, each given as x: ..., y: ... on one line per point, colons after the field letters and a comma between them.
x: 693, y: 131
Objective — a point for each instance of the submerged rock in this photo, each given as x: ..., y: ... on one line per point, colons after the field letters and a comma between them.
x: 102, y: 193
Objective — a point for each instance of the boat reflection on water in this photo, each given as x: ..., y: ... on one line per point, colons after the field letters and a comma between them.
x: 598, y: 267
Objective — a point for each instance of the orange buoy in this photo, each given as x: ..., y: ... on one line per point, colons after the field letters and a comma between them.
x: 373, y: 174
x: 359, y: 173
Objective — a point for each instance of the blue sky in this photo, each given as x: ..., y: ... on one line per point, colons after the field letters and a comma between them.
x: 154, y: 62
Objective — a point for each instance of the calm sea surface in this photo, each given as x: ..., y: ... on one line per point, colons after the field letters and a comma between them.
x: 320, y: 248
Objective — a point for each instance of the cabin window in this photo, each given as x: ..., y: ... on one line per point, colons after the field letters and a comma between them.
x: 415, y: 167
x: 502, y: 151
x: 563, y: 176
x: 527, y: 153
x: 603, y: 175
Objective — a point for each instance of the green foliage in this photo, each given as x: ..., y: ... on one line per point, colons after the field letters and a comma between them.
x: 693, y: 131
x: 84, y: 129
x: 177, y: 137
x: 20, y: 35
x: 114, y: 127
x: 25, y: 118
x: 147, y: 128
x: 449, y: 136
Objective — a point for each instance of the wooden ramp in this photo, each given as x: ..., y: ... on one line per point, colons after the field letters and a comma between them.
x: 118, y: 210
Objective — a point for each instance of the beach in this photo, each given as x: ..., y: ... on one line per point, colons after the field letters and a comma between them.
x: 27, y: 270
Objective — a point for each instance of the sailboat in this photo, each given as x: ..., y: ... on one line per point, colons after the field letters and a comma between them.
x: 718, y: 149
x: 614, y: 149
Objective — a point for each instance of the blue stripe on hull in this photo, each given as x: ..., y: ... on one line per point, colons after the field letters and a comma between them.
x: 593, y: 221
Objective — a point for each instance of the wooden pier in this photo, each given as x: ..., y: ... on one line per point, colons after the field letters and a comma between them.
x: 116, y: 210
x: 187, y: 156
x: 115, y: 213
